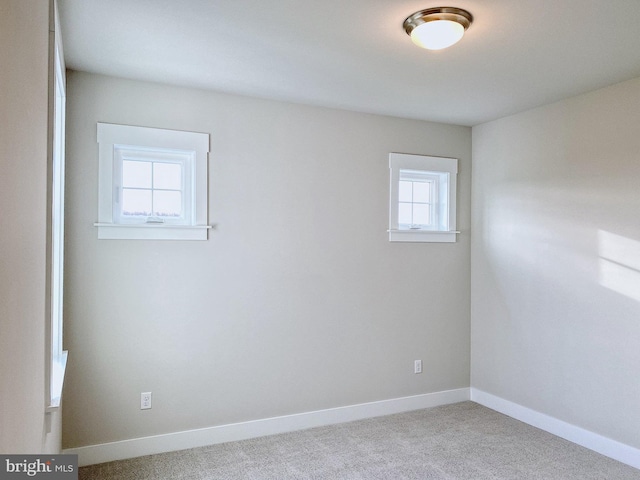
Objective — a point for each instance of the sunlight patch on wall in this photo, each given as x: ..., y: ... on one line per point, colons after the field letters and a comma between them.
x: 619, y: 264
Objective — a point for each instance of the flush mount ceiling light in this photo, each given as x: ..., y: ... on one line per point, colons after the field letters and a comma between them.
x: 437, y: 28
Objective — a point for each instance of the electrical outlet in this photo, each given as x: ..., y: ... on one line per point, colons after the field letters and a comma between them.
x: 145, y: 400
x: 417, y: 366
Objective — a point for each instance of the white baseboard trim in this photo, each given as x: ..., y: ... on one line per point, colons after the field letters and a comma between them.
x: 169, y: 442
x: 593, y: 441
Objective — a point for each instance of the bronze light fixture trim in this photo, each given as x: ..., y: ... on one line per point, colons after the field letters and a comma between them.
x: 437, y: 28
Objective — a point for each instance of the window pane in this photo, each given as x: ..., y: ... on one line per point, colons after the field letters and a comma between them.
x: 167, y: 204
x: 136, y: 202
x: 422, y: 192
x: 167, y: 176
x: 136, y: 174
x: 421, y: 214
x: 404, y: 213
x: 404, y: 192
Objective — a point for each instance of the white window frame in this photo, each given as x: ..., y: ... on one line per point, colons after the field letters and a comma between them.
x: 190, y: 149
x: 443, y: 171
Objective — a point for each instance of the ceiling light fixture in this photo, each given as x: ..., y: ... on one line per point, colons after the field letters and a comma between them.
x: 437, y: 28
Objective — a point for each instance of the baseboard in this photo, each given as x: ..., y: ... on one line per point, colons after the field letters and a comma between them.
x: 169, y: 442
x: 593, y: 441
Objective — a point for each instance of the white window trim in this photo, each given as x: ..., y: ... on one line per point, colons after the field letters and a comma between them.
x: 56, y: 362
x: 109, y: 137
x: 424, y: 163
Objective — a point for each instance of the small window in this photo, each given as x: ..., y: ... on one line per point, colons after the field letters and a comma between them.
x: 422, y: 199
x: 153, y: 183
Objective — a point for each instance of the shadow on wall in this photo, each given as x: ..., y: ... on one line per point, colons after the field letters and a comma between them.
x: 619, y: 264
x: 551, y: 245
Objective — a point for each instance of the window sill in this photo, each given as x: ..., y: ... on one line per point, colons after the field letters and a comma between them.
x: 422, y: 236
x: 57, y: 381
x: 111, y: 231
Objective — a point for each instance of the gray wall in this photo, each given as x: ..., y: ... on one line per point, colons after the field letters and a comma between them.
x: 555, y: 318
x: 24, y: 51
x: 297, y: 302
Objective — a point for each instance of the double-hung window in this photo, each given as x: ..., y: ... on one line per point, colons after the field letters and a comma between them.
x: 152, y: 183
x: 422, y: 206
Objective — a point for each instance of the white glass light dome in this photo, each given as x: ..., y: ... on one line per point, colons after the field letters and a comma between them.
x: 437, y: 28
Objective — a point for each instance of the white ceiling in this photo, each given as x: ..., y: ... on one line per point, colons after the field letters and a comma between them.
x: 354, y: 54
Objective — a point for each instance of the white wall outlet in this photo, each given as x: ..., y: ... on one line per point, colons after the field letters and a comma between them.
x: 417, y: 366
x: 145, y: 400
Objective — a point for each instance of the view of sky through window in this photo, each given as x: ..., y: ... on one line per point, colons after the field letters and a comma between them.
x: 151, y: 188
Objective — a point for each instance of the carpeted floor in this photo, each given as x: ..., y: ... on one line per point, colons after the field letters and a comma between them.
x: 460, y: 441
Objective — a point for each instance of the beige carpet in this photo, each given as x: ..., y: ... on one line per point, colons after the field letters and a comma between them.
x: 461, y: 441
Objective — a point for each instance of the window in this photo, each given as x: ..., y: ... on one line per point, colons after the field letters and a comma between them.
x: 417, y: 200
x: 153, y: 183
x: 422, y: 205
x: 57, y: 357
x: 150, y: 186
